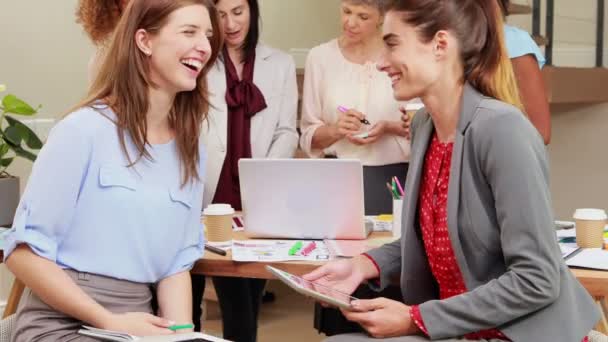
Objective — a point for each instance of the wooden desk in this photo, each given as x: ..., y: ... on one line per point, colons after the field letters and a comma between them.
x: 596, y: 282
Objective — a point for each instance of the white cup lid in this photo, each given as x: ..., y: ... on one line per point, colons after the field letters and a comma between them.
x: 590, y: 214
x: 415, y: 104
x: 218, y: 209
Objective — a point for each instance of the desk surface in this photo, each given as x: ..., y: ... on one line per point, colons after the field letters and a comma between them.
x: 596, y: 282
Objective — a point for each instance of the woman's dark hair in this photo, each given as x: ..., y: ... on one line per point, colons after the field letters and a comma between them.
x: 253, y: 36
x: 504, y: 6
x: 479, y: 28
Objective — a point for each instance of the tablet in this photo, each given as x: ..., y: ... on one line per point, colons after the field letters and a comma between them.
x: 315, y: 290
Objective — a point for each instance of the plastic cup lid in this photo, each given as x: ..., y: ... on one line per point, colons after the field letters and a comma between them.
x: 218, y: 209
x: 590, y: 214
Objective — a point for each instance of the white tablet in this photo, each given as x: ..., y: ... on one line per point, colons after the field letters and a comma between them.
x: 315, y: 290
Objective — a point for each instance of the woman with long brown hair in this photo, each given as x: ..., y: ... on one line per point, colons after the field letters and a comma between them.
x: 112, y: 209
x: 478, y: 258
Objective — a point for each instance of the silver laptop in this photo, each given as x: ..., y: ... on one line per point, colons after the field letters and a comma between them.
x: 303, y: 198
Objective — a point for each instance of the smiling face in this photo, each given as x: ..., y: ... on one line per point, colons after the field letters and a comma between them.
x: 180, y: 50
x: 359, y: 21
x: 235, y: 20
x: 412, y: 64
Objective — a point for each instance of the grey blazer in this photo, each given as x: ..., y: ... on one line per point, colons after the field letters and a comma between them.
x: 500, y: 224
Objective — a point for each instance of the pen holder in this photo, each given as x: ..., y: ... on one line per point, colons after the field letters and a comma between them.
x: 397, y: 207
x: 218, y: 222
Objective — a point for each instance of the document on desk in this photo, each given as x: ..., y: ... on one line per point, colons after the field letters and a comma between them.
x: 593, y: 258
x: 278, y: 250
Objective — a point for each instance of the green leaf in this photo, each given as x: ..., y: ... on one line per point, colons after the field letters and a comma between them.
x: 4, y: 148
x: 31, y: 139
x: 24, y: 153
x: 5, y: 162
x: 13, y: 104
x: 13, y: 135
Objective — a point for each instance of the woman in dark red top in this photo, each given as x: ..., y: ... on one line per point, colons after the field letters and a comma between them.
x: 478, y: 258
x: 253, y: 115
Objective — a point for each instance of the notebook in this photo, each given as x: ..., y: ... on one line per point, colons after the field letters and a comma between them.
x: 108, y: 335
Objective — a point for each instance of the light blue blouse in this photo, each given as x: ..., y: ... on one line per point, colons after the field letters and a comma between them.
x: 84, y: 209
x: 520, y: 43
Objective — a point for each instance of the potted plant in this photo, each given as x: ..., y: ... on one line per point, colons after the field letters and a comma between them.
x: 16, y: 140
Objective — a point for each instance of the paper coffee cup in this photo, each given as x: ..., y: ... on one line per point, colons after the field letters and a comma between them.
x: 412, y: 107
x: 590, y: 225
x: 218, y: 222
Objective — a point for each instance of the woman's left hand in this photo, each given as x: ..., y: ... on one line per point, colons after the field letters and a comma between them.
x: 383, y: 317
x: 376, y: 132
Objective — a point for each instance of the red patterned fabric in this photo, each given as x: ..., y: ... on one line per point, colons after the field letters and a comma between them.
x: 433, y: 213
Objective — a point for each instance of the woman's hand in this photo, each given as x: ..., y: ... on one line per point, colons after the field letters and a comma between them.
x: 382, y: 317
x: 380, y: 129
x: 341, y: 275
x: 404, y: 127
x: 138, y: 324
x: 344, y: 275
x: 349, y: 122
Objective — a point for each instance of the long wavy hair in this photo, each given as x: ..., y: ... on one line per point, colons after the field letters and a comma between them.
x: 123, y: 82
x: 479, y: 28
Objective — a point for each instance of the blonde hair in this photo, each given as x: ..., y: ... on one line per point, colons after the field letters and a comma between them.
x: 505, y: 83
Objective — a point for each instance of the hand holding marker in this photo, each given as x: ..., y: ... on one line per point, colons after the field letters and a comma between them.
x: 364, y: 121
x: 343, y: 109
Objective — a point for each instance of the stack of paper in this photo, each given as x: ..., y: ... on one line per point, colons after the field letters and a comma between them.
x: 278, y: 250
x: 108, y: 335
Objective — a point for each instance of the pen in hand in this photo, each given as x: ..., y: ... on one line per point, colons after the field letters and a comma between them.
x: 344, y: 110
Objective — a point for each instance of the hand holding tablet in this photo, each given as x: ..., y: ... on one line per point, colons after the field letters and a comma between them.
x: 313, y: 289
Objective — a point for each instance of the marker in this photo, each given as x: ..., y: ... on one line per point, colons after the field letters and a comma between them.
x: 180, y: 327
x: 215, y: 250
x: 393, y: 193
x: 399, y: 185
x: 309, y: 248
x: 295, y: 248
x: 344, y: 110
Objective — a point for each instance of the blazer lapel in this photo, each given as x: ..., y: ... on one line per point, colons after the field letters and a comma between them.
x: 262, y: 78
x: 470, y: 101
x: 413, y: 251
x: 218, y: 111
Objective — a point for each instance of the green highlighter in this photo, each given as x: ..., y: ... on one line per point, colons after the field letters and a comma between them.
x: 180, y: 327
x: 295, y: 248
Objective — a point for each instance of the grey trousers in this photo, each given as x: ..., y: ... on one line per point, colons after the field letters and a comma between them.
x: 38, y: 322
x: 367, y: 338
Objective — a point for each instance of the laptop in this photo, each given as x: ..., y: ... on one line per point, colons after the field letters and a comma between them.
x: 303, y: 198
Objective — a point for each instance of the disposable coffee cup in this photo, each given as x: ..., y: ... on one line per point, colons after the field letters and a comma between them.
x: 218, y: 222
x: 590, y: 225
x: 412, y: 107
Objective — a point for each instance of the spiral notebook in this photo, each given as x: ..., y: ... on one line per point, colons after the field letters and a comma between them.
x: 108, y: 335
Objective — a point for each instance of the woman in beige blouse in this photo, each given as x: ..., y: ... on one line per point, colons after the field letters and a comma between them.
x: 342, y: 73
